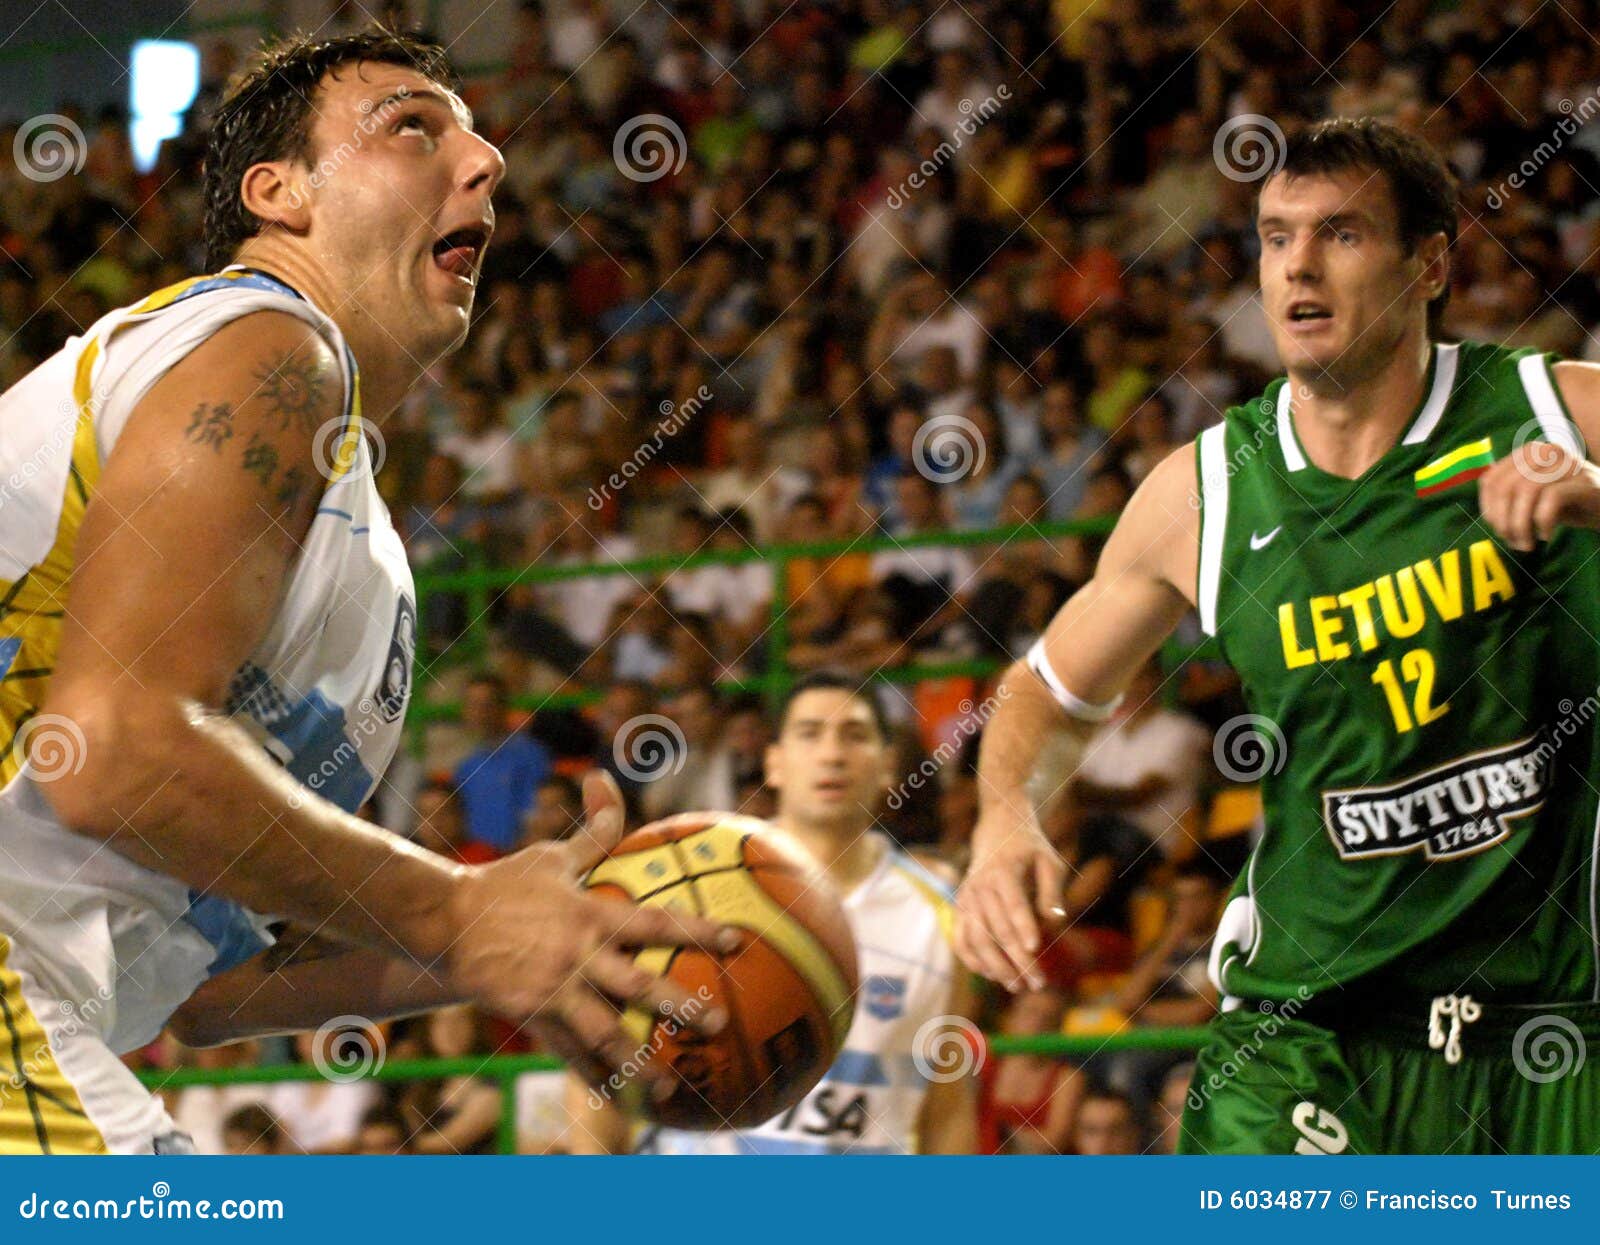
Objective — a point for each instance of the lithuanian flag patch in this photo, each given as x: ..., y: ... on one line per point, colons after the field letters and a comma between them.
x: 1465, y: 462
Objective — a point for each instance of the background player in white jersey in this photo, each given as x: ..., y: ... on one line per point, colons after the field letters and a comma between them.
x: 903, y: 1083
x: 207, y: 610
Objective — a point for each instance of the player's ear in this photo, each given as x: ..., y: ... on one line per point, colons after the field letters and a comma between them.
x: 276, y: 191
x: 773, y: 765
x: 1433, y: 264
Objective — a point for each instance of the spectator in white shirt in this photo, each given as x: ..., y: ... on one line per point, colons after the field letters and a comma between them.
x: 483, y: 446
x: 584, y: 606
x: 202, y: 1110
x: 926, y: 583
x: 324, y: 1117
x: 1146, y: 765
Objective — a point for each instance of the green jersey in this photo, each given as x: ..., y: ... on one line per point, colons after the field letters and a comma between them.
x: 1423, y: 703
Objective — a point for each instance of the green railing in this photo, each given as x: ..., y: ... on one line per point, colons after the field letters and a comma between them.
x: 504, y: 1070
x: 479, y: 584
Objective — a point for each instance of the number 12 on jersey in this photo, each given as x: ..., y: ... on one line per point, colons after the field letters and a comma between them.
x: 1416, y: 668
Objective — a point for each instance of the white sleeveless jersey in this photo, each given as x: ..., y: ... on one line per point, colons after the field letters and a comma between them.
x: 92, y: 934
x: 869, y: 1101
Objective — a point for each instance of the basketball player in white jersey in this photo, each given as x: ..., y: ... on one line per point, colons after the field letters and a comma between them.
x: 904, y: 1082
x: 207, y: 627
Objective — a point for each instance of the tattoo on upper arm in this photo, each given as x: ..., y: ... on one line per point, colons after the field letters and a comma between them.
x: 293, y: 397
x: 261, y: 459
x: 292, y: 390
x: 211, y: 425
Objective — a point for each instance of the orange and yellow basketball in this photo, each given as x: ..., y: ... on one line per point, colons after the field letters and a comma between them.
x: 788, y: 990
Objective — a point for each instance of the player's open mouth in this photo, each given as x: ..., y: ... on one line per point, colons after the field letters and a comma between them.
x: 458, y: 252
x: 1305, y: 311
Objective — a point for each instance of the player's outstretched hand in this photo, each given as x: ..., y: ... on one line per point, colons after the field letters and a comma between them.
x: 1537, y: 487
x: 536, y: 948
x: 1016, y: 878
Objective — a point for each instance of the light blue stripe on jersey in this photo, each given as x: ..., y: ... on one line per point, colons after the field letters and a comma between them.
x: 227, y: 927
x: 864, y: 1069
x: 908, y: 862
x: 858, y: 1067
x: 781, y: 1145
x: 245, y: 280
x: 325, y: 757
x: 9, y: 648
x: 321, y: 754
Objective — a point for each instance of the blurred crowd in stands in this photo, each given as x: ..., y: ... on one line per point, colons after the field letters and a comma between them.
x: 847, y: 271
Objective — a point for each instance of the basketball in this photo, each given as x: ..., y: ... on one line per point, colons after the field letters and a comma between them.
x: 789, y: 990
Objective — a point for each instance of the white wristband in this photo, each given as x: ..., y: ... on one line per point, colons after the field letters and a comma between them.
x: 1077, y: 706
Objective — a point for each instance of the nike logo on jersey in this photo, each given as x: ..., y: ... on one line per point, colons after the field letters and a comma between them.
x: 1261, y: 542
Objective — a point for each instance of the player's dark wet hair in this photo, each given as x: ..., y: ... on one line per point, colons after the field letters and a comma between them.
x: 834, y: 681
x: 1424, y: 190
x: 268, y: 110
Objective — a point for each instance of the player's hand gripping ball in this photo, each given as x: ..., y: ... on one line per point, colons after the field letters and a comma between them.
x: 788, y: 991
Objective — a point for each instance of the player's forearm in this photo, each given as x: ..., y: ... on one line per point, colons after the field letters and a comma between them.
x: 189, y: 794
x: 1013, y: 738
x: 256, y: 999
